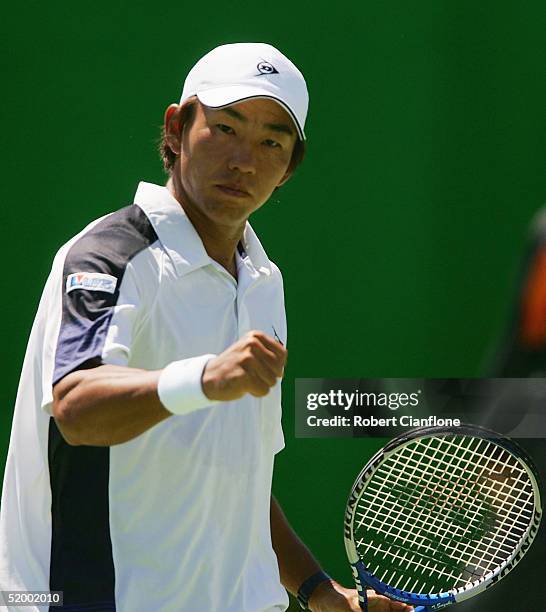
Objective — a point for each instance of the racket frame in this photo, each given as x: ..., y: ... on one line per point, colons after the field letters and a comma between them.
x: 364, y: 578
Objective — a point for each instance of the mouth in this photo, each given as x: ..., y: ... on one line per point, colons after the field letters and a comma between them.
x: 232, y: 190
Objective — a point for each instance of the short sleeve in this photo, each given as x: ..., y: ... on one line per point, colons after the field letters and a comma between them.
x: 95, y: 298
x: 97, y: 323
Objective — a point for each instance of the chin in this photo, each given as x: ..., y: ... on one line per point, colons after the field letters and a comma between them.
x: 230, y: 208
x: 226, y: 213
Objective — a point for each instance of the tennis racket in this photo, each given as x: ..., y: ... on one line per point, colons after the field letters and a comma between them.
x: 440, y: 514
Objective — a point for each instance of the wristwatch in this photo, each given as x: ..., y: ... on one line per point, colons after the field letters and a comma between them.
x: 308, y: 586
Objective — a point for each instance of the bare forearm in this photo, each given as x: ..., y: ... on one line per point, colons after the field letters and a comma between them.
x: 296, y: 563
x: 107, y: 405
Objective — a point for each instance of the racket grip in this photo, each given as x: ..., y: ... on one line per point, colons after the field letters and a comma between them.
x: 364, y: 603
x: 420, y: 609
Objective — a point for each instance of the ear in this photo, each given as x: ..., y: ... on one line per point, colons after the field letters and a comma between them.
x: 173, y: 129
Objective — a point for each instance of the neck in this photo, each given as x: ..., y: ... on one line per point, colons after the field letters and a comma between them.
x: 220, y: 241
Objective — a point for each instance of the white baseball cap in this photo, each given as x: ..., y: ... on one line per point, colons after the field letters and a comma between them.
x: 239, y: 71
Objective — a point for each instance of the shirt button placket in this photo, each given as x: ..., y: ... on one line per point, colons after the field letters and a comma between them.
x: 243, y: 321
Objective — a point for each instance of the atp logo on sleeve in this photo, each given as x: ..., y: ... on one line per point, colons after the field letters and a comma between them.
x: 92, y: 281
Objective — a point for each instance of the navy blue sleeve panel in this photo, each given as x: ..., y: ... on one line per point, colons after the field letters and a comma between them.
x: 107, y: 248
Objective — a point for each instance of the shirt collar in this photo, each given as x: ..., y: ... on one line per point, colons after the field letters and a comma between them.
x: 255, y: 251
x: 178, y: 236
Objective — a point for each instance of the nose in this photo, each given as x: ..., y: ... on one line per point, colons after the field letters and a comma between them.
x: 242, y: 159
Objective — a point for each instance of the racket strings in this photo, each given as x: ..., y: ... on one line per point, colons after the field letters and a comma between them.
x: 438, y: 495
x: 413, y: 497
x: 459, y: 494
x: 516, y: 516
x: 440, y: 530
x: 433, y: 491
x: 463, y: 488
x: 422, y: 556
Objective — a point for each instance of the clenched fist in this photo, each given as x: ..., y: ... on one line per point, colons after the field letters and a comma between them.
x: 252, y: 365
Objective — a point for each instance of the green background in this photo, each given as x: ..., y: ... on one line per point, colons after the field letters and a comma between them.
x: 399, y: 237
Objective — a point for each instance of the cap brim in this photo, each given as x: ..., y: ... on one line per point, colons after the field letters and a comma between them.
x: 224, y: 96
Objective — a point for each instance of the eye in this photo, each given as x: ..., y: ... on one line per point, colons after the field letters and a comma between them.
x: 225, y: 128
x: 272, y: 143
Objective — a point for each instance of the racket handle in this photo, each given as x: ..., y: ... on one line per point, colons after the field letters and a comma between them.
x: 420, y: 609
x: 363, y: 604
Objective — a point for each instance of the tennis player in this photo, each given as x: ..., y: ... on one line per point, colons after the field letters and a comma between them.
x: 148, y: 414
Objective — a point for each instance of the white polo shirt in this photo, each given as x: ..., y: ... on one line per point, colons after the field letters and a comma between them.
x: 178, y: 518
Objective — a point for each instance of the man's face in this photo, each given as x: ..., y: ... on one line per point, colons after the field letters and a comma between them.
x: 231, y: 159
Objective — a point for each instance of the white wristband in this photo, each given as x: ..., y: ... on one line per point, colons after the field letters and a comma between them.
x: 179, y: 386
